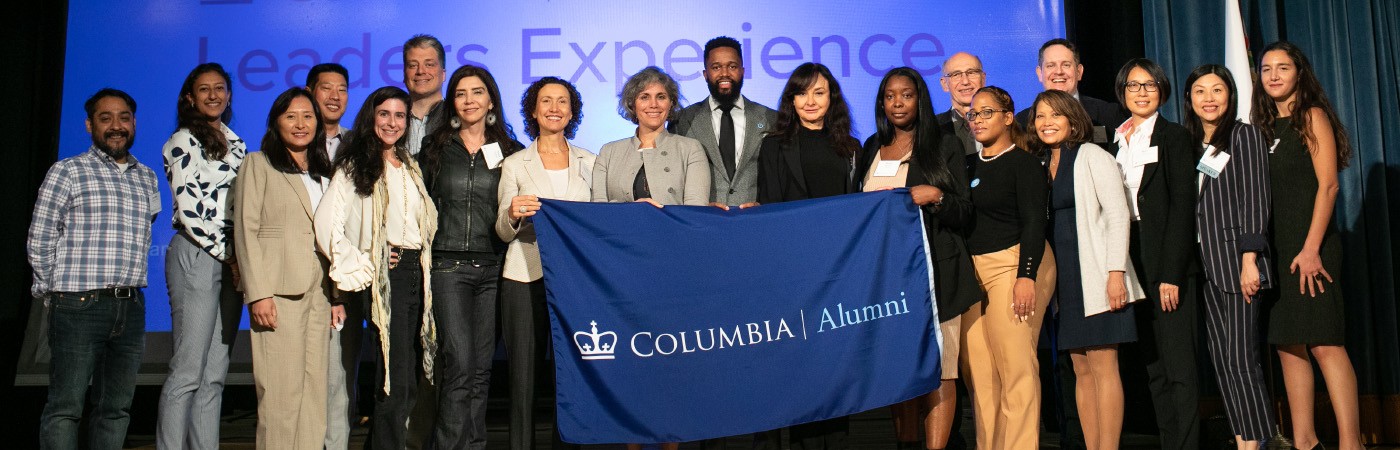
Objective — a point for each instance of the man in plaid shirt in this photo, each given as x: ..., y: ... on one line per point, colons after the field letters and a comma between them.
x: 88, y: 245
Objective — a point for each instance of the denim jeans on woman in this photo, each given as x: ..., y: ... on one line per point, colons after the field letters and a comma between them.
x: 464, y: 303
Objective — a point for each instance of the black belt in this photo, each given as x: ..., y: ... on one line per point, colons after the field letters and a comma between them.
x: 115, y: 292
x: 408, y: 258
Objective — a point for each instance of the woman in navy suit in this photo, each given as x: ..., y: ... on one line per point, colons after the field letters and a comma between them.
x: 1157, y: 159
x: 1232, y: 217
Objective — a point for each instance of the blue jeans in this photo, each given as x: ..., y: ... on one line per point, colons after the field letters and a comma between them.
x: 464, y: 304
x: 97, y: 338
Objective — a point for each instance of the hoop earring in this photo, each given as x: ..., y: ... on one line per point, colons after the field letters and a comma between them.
x: 456, y: 122
x: 491, y: 119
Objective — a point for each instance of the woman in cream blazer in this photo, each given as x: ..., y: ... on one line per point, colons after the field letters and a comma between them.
x: 1090, y: 223
x: 284, y: 279
x: 652, y: 165
x: 553, y: 168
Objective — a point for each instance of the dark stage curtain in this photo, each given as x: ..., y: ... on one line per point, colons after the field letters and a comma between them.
x: 1354, y: 46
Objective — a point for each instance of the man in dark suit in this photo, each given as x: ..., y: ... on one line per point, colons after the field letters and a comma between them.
x: 962, y: 77
x: 728, y: 126
x: 1058, y: 68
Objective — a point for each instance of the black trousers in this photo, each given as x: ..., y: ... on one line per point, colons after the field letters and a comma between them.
x: 525, y: 331
x: 1170, y: 356
x: 389, y: 429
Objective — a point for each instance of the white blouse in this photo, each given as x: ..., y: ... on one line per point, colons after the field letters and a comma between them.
x: 1135, y: 152
x: 405, y: 205
x: 200, y: 189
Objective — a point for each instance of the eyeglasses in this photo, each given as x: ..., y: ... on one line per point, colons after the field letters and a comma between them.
x: 969, y: 73
x: 1134, y: 86
x: 717, y: 67
x: 984, y: 114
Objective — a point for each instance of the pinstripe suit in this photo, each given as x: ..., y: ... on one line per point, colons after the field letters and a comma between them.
x: 1233, y: 216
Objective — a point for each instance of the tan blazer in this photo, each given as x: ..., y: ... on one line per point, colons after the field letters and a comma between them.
x: 677, y: 171
x: 273, y: 234
x: 523, y: 174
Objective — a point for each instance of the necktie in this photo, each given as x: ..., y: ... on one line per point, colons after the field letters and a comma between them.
x: 726, y: 138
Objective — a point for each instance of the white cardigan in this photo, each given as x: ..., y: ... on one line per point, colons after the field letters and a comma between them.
x: 350, y: 232
x: 1102, y: 219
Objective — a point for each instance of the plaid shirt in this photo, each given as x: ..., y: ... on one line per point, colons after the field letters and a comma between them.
x: 92, y: 224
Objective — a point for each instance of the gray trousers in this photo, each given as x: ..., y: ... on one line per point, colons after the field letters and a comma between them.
x: 343, y: 387
x: 204, y: 314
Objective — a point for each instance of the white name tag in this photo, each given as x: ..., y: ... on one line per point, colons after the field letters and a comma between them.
x: 887, y: 168
x: 1145, y: 158
x: 1274, y: 146
x: 1213, y: 162
x: 492, y: 152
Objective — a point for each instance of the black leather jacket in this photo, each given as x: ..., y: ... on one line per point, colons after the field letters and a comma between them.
x: 464, y: 191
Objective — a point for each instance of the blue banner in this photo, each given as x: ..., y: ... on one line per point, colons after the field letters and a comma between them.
x: 687, y: 323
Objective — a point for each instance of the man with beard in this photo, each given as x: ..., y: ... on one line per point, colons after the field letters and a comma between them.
x: 728, y: 126
x: 329, y: 84
x: 88, y: 245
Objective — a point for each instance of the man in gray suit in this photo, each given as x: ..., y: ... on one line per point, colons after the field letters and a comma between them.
x: 728, y: 126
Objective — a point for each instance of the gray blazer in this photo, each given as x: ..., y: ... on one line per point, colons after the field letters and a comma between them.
x: 677, y: 171
x: 1102, y: 219
x: 696, y: 122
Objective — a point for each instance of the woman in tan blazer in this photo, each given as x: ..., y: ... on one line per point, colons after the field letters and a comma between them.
x: 377, y: 225
x: 284, y: 279
x: 652, y: 165
x: 550, y: 167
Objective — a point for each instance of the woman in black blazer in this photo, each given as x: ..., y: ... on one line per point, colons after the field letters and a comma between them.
x: 1158, y: 166
x: 1232, y: 217
x: 909, y: 132
x: 808, y: 154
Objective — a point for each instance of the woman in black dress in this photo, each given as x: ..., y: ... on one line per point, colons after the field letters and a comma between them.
x: 909, y: 133
x: 809, y: 154
x: 1309, y: 147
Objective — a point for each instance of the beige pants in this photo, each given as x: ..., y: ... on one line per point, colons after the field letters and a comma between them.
x: 1000, y: 366
x: 290, y: 371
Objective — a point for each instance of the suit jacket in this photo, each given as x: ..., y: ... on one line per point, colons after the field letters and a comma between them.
x: 958, y: 127
x: 1102, y: 219
x: 696, y: 122
x: 273, y: 233
x: 945, y: 227
x: 523, y: 174
x: 1232, y: 212
x: 780, y: 177
x: 1163, y: 249
x: 1101, y: 113
x: 677, y: 171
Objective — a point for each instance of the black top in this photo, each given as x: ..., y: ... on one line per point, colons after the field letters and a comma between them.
x: 825, y: 171
x: 1009, y: 195
x: 804, y: 167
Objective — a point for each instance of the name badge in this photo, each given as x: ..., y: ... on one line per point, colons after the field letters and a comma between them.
x: 887, y: 168
x: 1213, y: 162
x: 1145, y: 158
x: 1274, y: 146
x: 492, y: 152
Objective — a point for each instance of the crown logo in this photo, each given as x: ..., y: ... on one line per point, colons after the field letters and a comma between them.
x: 595, y: 345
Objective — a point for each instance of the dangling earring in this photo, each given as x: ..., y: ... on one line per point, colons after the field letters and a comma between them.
x: 456, y: 122
x: 491, y: 119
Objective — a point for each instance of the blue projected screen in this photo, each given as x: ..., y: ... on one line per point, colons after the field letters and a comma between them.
x: 268, y: 46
